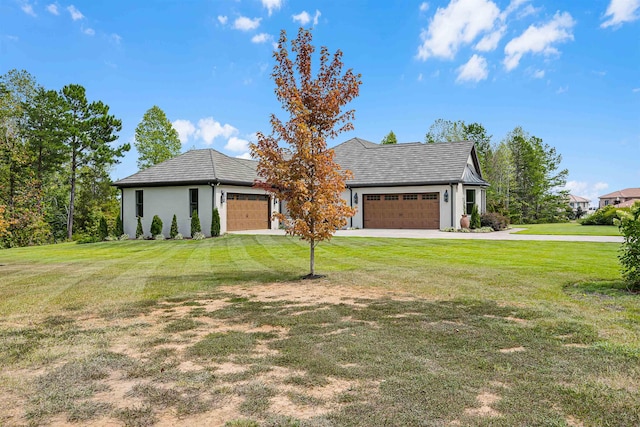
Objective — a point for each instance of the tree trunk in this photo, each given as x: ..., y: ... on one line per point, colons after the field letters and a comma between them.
x: 312, y: 261
x: 72, y: 198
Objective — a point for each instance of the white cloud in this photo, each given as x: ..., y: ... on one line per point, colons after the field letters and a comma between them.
x: 89, y: 31
x: 420, y: 77
x: 473, y: 71
x: 246, y: 156
x: 460, y: 23
x: 538, y: 74
x: 490, y: 42
x: 237, y: 145
x: 116, y: 38
x: 185, y: 130
x: 621, y: 11
x: 272, y: 5
x: 303, y: 18
x: 562, y: 89
x: 424, y: 6
x: 261, y: 38
x: 53, y: 9
x: 539, y: 39
x: 75, y: 13
x: 209, y: 129
x: 222, y: 19
x: 28, y: 8
x: 246, y: 24
x: 316, y: 16
x: 635, y: 90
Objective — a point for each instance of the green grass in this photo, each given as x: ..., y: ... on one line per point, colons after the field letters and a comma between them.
x: 546, y: 328
x: 569, y: 229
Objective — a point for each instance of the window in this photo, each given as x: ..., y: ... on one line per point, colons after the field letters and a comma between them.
x: 410, y: 197
x: 471, y: 200
x: 373, y: 197
x: 391, y: 197
x: 193, y: 201
x: 430, y: 196
x: 139, y: 204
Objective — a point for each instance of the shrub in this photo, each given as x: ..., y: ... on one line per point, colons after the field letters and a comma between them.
x: 198, y: 236
x: 178, y: 237
x: 604, y: 216
x: 119, y: 227
x: 103, y: 229
x: 123, y: 236
x: 195, y: 224
x: 174, y: 227
x: 158, y: 237
x: 215, y: 223
x: 494, y: 220
x: 156, y: 225
x: 475, y: 218
x: 139, y: 231
x: 630, y: 251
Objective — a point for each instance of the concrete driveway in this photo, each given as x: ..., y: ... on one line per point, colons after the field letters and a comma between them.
x: 437, y: 234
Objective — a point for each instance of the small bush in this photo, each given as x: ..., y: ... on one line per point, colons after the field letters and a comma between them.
x: 195, y: 224
x: 156, y: 225
x: 475, y: 218
x: 494, y: 220
x: 103, y: 229
x: 158, y: 237
x: 215, y: 223
x: 119, y: 231
x: 123, y: 236
x: 139, y: 231
x: 140, y: 237
x: 198, y: 236
x: 174, y: 227
x: 630, y: 251
x: 604, y: 216
x: 178, y: 237
x: 87, y: 239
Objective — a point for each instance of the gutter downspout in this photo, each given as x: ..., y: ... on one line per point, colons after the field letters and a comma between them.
x: 453, y: 202
x: 122, y: 208
x: 350, y: 205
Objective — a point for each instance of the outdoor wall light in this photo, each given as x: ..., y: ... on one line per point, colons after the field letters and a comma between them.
x: 222, y: 197
x: 355, y: 198
x: 446, y: 196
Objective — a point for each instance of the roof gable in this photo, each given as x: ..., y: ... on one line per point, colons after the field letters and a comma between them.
x: 626, y: 193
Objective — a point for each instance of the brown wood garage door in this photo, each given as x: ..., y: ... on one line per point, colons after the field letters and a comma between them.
x: 415, y: 210
x: 247, y: 212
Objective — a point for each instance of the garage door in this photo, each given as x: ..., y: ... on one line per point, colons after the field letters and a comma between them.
x: 417, y: 210
x: 247, y: 212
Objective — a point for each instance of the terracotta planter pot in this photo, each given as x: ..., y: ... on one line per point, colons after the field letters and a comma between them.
x: 464, y: 221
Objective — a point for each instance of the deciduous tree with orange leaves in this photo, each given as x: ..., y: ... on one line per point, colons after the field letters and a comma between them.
x: 302, y: 173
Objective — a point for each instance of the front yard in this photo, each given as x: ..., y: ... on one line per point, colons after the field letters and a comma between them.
x: 400, y: 332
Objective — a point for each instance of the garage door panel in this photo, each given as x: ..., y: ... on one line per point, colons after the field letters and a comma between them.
x: 414, y: 210
x: 247, y: 212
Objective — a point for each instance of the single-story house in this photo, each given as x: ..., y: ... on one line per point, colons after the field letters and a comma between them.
x: 620, y: 196
x: 413, y: 185
x: 576, y: 202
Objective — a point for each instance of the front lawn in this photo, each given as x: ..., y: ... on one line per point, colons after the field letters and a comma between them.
x: 401, y: 332
x: 569, y: 229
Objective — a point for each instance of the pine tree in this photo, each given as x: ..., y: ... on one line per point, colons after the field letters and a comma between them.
x: 139, y: 231
x: 195, y: 224
x: 215, y: 223
x: 156, y: 226
x: 174, y: 227
x: 119, y: 226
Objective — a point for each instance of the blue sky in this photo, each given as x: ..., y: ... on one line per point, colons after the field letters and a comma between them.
x: 566, y: 71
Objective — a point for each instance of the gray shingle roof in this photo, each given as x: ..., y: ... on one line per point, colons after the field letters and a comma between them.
x: 372, y: 165
x: 195, y: 167
x: 406, y: 164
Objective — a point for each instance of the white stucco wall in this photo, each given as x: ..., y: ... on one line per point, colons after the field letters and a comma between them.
x: 167, y: 201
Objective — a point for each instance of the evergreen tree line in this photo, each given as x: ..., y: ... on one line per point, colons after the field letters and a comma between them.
x: 56, y: 152
x: 523, y: 172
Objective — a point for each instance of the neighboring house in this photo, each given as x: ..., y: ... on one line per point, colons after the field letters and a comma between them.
x: 619, y: 197
x: 424, y: 186
x: 576, y: 202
